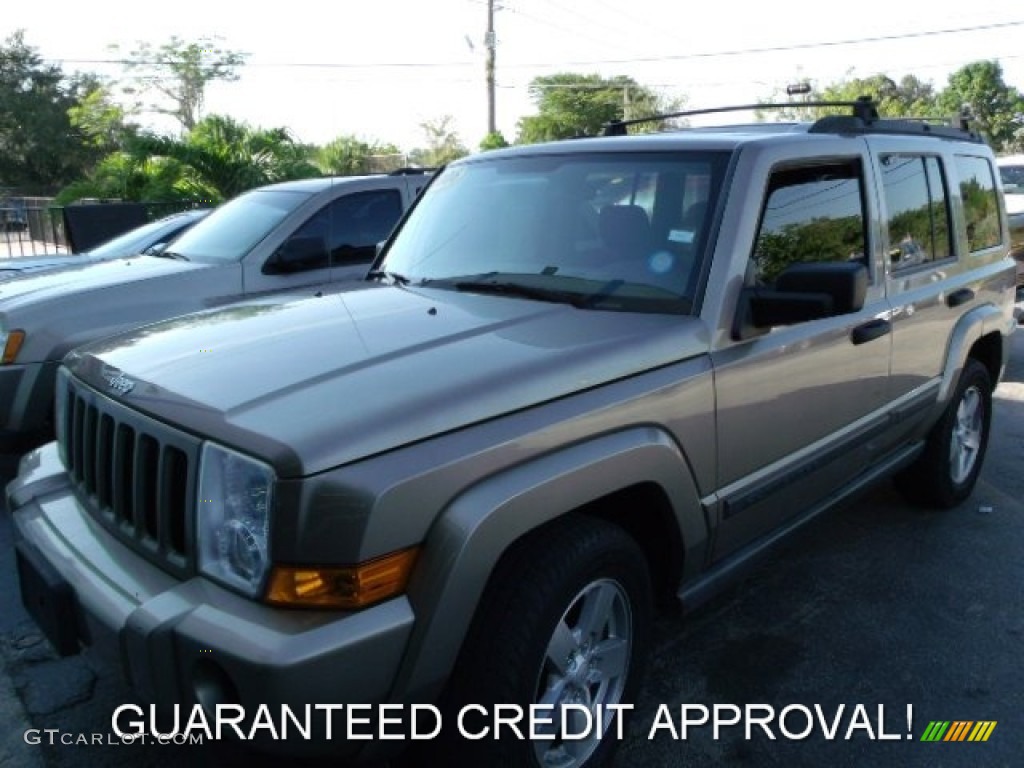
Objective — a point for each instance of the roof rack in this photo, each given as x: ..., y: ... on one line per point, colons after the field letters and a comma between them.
x: 410, y: 171
x: 863, y: 118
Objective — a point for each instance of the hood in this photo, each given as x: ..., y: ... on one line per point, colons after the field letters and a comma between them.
x: 1014, y: 203
x: 58, y: 284
x: 19, y: 266
x: 312, y: 384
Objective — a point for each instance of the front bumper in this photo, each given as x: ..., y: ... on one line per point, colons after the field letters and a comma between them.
x: 188, y: 642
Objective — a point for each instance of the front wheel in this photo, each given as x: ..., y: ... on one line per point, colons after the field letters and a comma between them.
x: 948, y: 469
x: 562, y: 628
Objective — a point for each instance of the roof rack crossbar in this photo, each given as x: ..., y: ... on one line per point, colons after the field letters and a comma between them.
x: 410, y: 171
x: 863, y: 108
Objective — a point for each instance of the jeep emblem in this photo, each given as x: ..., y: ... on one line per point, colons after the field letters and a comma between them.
x: 119, y: 383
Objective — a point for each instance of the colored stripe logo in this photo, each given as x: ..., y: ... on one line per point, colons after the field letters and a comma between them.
x: 959, y: 730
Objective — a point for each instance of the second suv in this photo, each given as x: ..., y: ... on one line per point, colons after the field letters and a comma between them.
x: 285, y: 236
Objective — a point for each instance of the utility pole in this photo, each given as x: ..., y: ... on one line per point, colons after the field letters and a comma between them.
x: 490, y: 43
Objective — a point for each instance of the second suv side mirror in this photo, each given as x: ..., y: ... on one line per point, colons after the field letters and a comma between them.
x: 802, y: 292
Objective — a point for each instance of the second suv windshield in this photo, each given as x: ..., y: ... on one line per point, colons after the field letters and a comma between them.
x: 608, y: 231
x: 134, y: 241
x: 232, y: 230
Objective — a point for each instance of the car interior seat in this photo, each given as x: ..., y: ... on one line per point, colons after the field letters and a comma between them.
x: 625, y: 232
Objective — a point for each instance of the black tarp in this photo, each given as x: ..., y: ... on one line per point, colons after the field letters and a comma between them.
x: 88, y: 225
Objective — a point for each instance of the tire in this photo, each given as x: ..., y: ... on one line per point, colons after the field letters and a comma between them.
x: 577, y: 590
x: 946, y: 472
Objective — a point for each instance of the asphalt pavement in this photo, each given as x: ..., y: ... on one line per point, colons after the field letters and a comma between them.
x: 870, y: 624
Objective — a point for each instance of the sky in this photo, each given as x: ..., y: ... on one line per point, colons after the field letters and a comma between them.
x: 379, y: 69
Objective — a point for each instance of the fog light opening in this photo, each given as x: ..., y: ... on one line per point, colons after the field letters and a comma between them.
x: 213, y: 686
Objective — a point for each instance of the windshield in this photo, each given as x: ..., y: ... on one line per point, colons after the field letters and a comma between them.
x: 603, y: 231
x: 232, y: 230
x: 1012, y: 177
x: 139, y: 239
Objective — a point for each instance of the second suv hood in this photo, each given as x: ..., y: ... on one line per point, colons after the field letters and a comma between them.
x: 90, y: 275
x: 26, y: 265
x: 313, y: 384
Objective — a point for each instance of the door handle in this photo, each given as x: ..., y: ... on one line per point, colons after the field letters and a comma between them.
x: 871, y: 330
x: 956, y: 298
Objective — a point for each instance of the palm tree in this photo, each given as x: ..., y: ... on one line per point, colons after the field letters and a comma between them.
x: 223, y: 157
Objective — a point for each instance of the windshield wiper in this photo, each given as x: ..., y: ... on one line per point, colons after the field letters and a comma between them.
x: 171, y: 255
x: 507, y: 288
x: 394, y: 277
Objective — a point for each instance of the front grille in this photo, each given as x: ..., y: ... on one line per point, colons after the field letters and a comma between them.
x: 134, y: 474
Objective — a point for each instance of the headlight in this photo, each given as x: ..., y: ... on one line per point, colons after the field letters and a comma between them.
x: 233, y: 518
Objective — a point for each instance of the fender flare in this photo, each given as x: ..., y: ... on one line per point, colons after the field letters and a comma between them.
x: 974, y: 325
x: 473, y: 531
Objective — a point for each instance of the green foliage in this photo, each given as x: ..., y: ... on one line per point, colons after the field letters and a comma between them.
x: 224, y: 157
x: 910, y: 97
x: 443, y: 143
x: 100, y: 120
x: 40, y: 149
x: 350, y: 156
x: 980, y: 214
x: 494, y: 140
x: 571, y: 104
x: 821, y: 239
x: 997, y: 108
x: 178, y: 72
x: 218, y: 160
x: 123, y: 176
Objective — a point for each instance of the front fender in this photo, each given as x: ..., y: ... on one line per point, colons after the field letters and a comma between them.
x: 467, y: 540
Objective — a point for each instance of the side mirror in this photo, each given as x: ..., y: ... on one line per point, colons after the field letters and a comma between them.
x: 802, y: 292
x: 298, y: 254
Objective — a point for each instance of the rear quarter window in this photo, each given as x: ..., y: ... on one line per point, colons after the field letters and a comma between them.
x: 981, y: 202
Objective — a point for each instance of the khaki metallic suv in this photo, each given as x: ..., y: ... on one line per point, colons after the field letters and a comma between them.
x: 582, y: 376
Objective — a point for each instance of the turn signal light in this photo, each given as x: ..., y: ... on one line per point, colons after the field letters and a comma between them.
x: 11, y: 348
x: 349, y: 587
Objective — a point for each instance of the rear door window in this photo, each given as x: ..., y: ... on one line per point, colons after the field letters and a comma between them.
x: 918, y: 210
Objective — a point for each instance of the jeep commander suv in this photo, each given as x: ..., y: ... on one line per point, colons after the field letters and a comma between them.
x: 584, y: 375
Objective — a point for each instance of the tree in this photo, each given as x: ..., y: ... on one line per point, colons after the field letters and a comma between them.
x: 997, y: 108
x: 219, y: 159
x: 910, y: 97
x: 126, y: 176
x: 494, y: 140
x: 443, y: 143
x: 350, y: 156
x: 178, y: 72
x: 40, y: 148
x: 570, y: 104
x: 224, y: 157
x: 100, y: 119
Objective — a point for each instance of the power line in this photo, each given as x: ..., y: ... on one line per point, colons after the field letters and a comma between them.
x: 639, y: 60
x: 800, y: 46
